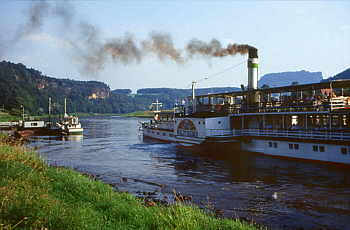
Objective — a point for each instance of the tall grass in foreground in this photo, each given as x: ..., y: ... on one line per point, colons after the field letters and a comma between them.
x: 35, y: 195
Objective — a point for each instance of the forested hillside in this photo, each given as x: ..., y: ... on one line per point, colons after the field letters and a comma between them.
x: 28, y: 87
x: 287, y: 78
x: 20, y: 85
x: 343, y: 75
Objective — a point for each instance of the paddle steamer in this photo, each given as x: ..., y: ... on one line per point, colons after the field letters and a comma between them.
x: 309, y: 121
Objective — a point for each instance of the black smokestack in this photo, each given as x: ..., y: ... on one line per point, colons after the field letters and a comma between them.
x: 253, y: 52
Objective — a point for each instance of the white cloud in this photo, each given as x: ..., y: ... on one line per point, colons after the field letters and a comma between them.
x: 345, y: 27
x: 48, y: 40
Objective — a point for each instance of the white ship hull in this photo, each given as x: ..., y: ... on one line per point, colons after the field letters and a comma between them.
x: 159, y: 134
x: 331, y: 147
x: 316, y: 151
x: 73, y: 131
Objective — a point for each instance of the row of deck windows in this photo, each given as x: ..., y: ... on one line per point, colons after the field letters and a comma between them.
x: 316, y: 148
x: 158, y: 133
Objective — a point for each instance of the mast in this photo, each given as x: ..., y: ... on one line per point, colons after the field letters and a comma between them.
x: 157, y: 104
x: 193, y: 98
x: 22, y: 113
x: 65, y: 107
x: 50, y: 112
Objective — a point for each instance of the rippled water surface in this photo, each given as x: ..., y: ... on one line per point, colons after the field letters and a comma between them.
x: 308, y: 195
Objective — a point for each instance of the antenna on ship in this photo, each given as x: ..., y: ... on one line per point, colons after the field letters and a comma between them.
x: 193, y: 97
x: 157, y: 104
x: 65, y: 107
x: 49, y: 112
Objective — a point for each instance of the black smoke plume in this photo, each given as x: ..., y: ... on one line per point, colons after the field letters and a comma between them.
x: 93, y: 52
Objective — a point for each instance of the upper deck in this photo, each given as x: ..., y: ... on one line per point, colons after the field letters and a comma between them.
x: 333, y: 96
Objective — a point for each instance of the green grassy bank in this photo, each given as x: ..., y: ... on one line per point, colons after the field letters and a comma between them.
x: 139, y: 114
x: 35, y: 195
x: 4, y: 116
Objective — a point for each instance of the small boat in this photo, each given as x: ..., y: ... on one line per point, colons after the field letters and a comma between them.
x: 29, y: 126
x: 24, y: 133
x: 69, y: 125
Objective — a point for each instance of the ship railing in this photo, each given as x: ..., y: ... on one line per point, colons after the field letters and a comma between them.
x: 160, y: 125
x: 222, y: 133
x: 335, y: 103
x: 300, y: 134
x: 340, y: 102
x: 272, y: 107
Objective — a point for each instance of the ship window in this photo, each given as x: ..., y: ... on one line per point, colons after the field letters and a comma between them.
x: 171, y: 135
x: 290, y: 146
x: 199, y: 122
x: 344, y: 151
x: 219, y: 122
x: 158, y: 133
x: 315, y: 148
x: 34, y: 124
x: 270, y: 144
x: 296, y: 146
x: 321, y: 148
x: 275, y: 144
x: 153, y: 132
x: 203, y: 122
x: 148, y: 131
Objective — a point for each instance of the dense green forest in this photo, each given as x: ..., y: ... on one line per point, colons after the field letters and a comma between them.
x: 20, y: 85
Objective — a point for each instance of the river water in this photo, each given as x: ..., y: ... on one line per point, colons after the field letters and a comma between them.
x: 307, y: 195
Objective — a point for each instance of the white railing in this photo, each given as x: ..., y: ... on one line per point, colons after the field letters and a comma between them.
x: 8, y: 124
x: 300, y: 134
x: 222, y: 133
x: 161, y: 125
x: 339, y: 102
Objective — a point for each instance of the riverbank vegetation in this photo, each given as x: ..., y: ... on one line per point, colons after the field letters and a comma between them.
x: 143, y: 113
x: 4, y: 116
x: 36, y: 195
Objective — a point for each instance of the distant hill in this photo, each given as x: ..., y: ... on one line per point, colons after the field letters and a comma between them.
x: 343, y: 75
x: 122, y: 91
x: 20, y: 85
x: 287, y: 78
x: 169, y: 96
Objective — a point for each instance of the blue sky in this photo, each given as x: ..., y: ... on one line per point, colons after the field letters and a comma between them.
x: 290, y: 36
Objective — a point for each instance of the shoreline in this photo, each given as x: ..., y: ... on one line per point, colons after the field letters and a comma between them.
x: 6, y: 117
x: 36, y: 194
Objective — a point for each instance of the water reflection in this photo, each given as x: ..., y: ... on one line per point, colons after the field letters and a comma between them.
x: 277, y: 192
x: 76, y: 138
